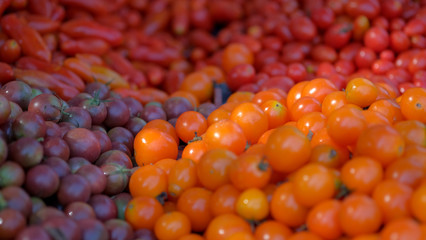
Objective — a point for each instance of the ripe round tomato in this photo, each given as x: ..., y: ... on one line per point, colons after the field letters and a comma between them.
x: 225, y: 134
x: 235, y: 54
x: 182, y: 176
x: 194, y: 203
x: 172, y: 225
x: 323, y: 219
x: 252, y: 120
x: 361, y: 174
x: 284, y: 207
x: 148, y: 180
x: 249, y: 171
x: 213, y: 168
x: 143, y: 212
x: 252, y: 204
x: 152, y: 145
x: 189, y: 125
x: 413, y: 104
x: 361, y: 91
x: 359, y: 214
x: 290, y: 142
x: 223, y: 226
x: 312, y: 184
x: 199, y: 84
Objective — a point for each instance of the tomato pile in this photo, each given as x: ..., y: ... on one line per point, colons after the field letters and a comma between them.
x: 224, y: 119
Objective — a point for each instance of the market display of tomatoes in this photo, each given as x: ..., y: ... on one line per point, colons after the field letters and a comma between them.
x: 215, y: 120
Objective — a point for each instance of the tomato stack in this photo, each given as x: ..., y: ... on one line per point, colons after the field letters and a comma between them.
x: 225, y: 119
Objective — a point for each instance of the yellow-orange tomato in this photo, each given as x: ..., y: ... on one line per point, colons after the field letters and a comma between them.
x: 413, y: 104
x: 252, y: 204
x: 225, y: 134
x: 236, y: 54
x: 251, y: 119
x: 152, y: 145
x: 287, y: 149
x: 361, y: 92
x: 199, y: 84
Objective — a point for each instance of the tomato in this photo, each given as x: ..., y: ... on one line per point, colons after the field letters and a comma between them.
x: 367, y: 8
x: 194, y: 150
x: 284, y: 207
x: 359, y: 214
x: 235, y: 54
x: 417, y: 202
x: 381, y: 142
x: 345, y: 124
x: 290, y: 142
x: 143, y: 212
x: 226, y: 134
x: 412, y: 131
x: 303, y: 106
x: 172, y: 225
x: 148, y: 180
x: 223, y: 199
x: 213, y: 168
x: 194, y: 203
x: 323, y: 219
x: 182, y: 176
x: 199, y: 84
x: 252, y: 204
x: 405, y: 228
x: 312, y: 184
x: 239, y: 75
x: 413, y: 103
x: 189, y: 125
x: 323, y: 17
x: 249, y: 171
x: 361, y: 91
x: 338, y: 35
x: 251, y: 119
x: 302, y: 28
x: 223, y: 226
x: 164, y: 126
x: 152, y: 145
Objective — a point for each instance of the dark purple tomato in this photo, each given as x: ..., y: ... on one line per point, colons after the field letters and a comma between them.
x: 78, y: 116
x: 63, y: 228
x: 73, y: 188
x: 75, y: 163
x: 175, y: 106
x: 75, y: 101
x: 12, y: 222
x: 103, y: 139
x: 33, y: 232
x: 52, y: 129
x: 172, y: 121
x: 26, y: 151
x: 115, y: 157
x: 37, y: 204
x: 121, y: 200
x: 119, y: 229
x: 135, y: 107
x: 18, y: 92
x: 15, y: 111
x: 44, y: 214
x: 206, y: 108
x: 4, y: 109
x: 3, y: 150
x: 98, y: 128
x: 79, y: 211
x: 42, y: 181
x: 96, y: 108
x: 135, y: 124
x: 97, y: 89
x: 121, y: 135
x: 29, y: 124
x: 48, y: 106
x: 16, y: 198
x: 64, y: 127
x: 117, y: 178
x: 152, y: 112
x: 56, y: 147
x: 103, y: 206
x: 94, y: 176
x: 11, y: 174
x: 83, y: 143
x: 121, y: 147
x: 92, y: 229
x: 117, y: 113
x: 59, y: 165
